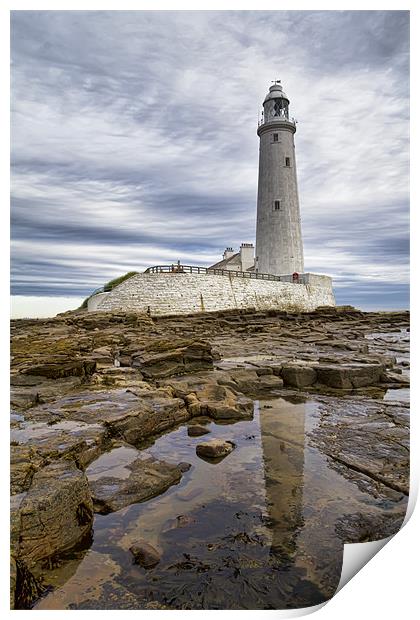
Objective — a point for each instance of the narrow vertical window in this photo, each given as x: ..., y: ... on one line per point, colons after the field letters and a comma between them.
x: 275, y: 137
x: 288, y: 162
x: 277, y: 205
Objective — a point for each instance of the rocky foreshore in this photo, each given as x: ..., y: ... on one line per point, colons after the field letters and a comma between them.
x: 82, y: 384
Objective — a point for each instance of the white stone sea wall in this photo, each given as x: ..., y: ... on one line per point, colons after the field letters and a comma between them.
x: 186, y: 293
x: 94, y: 301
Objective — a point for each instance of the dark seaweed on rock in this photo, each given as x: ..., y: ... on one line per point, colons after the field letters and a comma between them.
x: 28, y: 588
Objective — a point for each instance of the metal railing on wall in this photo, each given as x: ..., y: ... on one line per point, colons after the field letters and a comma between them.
x: 250, y: 275
x: 97, y: 290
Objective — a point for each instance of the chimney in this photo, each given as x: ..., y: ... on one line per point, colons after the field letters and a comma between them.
x: 247, y: 256
x: 228, y: 253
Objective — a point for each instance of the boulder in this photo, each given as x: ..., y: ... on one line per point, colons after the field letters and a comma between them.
x: 351, y: 376
x: 254, y: 381
x: 215, y: 448
x: 147, y: 479
x: 246, y: 380
x: 298, y: 376
x: 55, y: 514
x: 220, y: 403
x: 196, y: 430
x: 145, y: 554
x: 184, y: 466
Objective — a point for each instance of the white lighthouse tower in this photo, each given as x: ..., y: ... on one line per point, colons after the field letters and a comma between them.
x: 279, y: 248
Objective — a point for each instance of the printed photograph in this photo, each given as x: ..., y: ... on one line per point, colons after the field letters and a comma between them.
x: 210, y: 321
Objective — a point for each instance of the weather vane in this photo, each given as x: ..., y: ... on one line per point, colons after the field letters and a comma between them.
x: 276, y: 81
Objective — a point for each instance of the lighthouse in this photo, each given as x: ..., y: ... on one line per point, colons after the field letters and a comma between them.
x: 240, y: 280
x: 279, y: 248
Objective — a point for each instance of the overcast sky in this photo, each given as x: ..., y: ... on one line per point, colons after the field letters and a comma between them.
x: 134, y: 143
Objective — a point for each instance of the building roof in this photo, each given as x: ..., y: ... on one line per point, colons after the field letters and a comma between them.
x: 235, y: 259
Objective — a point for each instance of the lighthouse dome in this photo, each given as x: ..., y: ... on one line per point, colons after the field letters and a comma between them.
x: 276, y: 92
x: 276, y: 104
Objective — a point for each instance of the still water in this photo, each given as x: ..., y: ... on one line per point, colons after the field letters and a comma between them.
x: 256, y: 530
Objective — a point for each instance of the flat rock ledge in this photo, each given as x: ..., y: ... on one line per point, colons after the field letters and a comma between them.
x: 164, y: 358
x: 148, y: 478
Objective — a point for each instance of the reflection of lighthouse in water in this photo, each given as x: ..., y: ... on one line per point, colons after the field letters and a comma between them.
x: 283, y: 442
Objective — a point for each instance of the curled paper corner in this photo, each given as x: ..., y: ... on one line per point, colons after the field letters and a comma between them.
x: 357, y: 555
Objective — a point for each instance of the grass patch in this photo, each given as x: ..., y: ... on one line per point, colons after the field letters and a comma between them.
x: 113, y: 283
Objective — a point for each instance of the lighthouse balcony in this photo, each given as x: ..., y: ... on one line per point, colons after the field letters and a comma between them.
x: 277, y: 119
x: 281, y: 123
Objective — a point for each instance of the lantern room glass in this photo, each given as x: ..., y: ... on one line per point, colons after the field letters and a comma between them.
x: 281, y: 108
